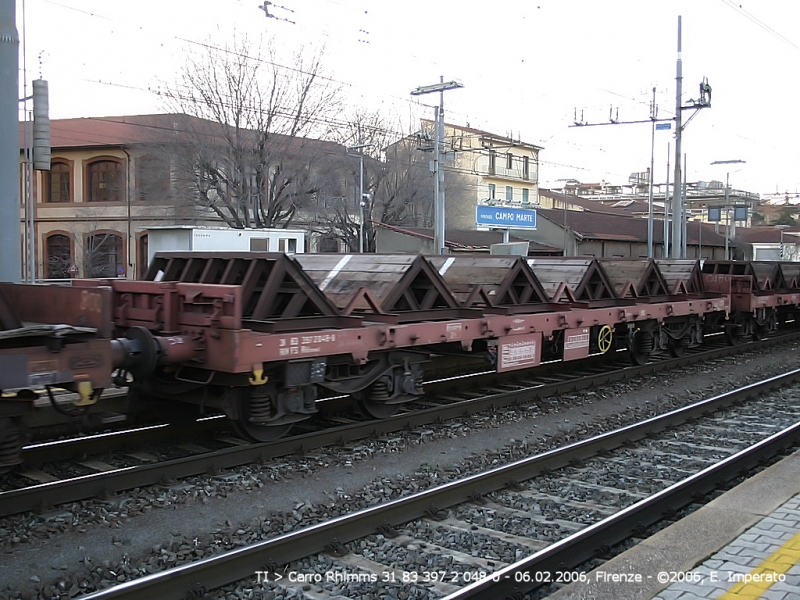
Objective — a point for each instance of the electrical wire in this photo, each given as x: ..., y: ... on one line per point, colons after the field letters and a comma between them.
x: 759, y: 23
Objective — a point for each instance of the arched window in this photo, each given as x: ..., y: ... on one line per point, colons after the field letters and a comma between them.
x: 104, y: 257
x: 141, y: 257
x: 59, y: 256
x: 57, y: 183
x: 105, y: 182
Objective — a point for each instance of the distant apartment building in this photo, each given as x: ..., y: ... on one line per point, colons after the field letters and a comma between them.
x: 485, y: 168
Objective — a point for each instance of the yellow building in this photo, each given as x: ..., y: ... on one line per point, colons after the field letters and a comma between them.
x: 486, y: 168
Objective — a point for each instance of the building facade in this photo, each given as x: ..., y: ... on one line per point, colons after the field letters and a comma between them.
x: 104, y: 188
x: 110, y: 180
x: 485, y: 168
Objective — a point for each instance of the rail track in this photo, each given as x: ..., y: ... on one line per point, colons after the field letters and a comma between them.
x: 100, y: 466
x: 509, y: 530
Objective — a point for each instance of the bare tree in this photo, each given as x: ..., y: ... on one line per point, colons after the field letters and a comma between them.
x: 103, y: 255
x: 244, y: 148
x: 396, y: 181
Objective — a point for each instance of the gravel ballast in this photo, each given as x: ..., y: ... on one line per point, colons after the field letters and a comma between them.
x: 83, y: 545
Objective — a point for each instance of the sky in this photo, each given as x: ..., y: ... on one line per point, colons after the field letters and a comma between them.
x: 527, y: 67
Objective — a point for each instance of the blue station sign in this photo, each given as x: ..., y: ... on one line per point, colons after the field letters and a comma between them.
x: 499, y: 216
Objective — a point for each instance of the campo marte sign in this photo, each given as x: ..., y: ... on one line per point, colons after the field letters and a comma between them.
x: 499, y: 216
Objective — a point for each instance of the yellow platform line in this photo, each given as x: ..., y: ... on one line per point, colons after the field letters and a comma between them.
x: 766, y: 574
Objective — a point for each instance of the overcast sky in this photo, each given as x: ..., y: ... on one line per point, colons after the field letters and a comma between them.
x: 526, y: 66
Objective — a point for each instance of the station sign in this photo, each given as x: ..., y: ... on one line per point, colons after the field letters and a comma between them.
x: 500, y: 216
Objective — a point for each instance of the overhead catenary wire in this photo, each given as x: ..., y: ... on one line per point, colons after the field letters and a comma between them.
x: 588, y: 147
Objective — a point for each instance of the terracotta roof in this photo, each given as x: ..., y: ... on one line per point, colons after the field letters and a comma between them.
x: 131, y: 130
x: 766, y: 235
x: 467, y: 239
x: 588, y: 205
x: 598, y: 226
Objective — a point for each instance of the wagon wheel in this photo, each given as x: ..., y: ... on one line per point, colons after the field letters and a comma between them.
x: 377, y: 410
x: 605, y: 338
x: 372, y: 401
x: 768, y: 323
x: 249, y: 406
x: 677, y: 348
x: 734, y: 332
x: 12, y: 436
x: 641, y: 347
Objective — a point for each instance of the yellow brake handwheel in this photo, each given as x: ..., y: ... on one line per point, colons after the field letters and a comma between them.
x: 604, y: 338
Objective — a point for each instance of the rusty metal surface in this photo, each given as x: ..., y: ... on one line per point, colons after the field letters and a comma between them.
x: 387, y: 284
x: 34, y: 366
x: 580, y: 279
x: 682, y: 276
x: 490, y: 281
x: 791, y: 275
x: 273, y: 286
x: 634, y: 278
x: 768, y: 275
x: 78, y: 306
x: 727, y: 267
x: 8, y: 320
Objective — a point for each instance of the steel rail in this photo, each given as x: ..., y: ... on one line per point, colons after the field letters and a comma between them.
x: 213, y: 572
x: 114, y: 441
x: 41, y: 497
x: 572, y: 551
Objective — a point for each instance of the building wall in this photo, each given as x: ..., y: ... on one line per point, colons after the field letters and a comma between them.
x: 394, y: 242
x: 126, y: 218
x: 470, y: 170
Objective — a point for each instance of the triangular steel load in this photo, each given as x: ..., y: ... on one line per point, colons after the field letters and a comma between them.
x: 760, y: 280
x: 276, y: 294
x: 584, y: 278
x: 727, y: 267
x: 403, y: 285
x: 633, y: 278
x: 682, y: 275
x: 791, y: 275
x: 768, y: 276
x: 490, y: 281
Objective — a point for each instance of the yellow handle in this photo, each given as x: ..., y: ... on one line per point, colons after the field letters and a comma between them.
x: 258, y: 378
x: 87, y: 395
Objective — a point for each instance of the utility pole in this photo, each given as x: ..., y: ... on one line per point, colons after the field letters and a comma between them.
x: 685, y: 213
x: 703, y: 102
x: 361, y: 195
x: 438, y: 172
x: 653, y: 112
x: 10, y: 236
x: 727, y: 199
x: 727, y: 214
x: 677, y: 209
x: 614, y: 121
x: 665, y: 253
x: 678, y: 246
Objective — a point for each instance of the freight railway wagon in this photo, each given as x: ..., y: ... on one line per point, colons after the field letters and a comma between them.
x: 56, y: 336
x: 259, y: 336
